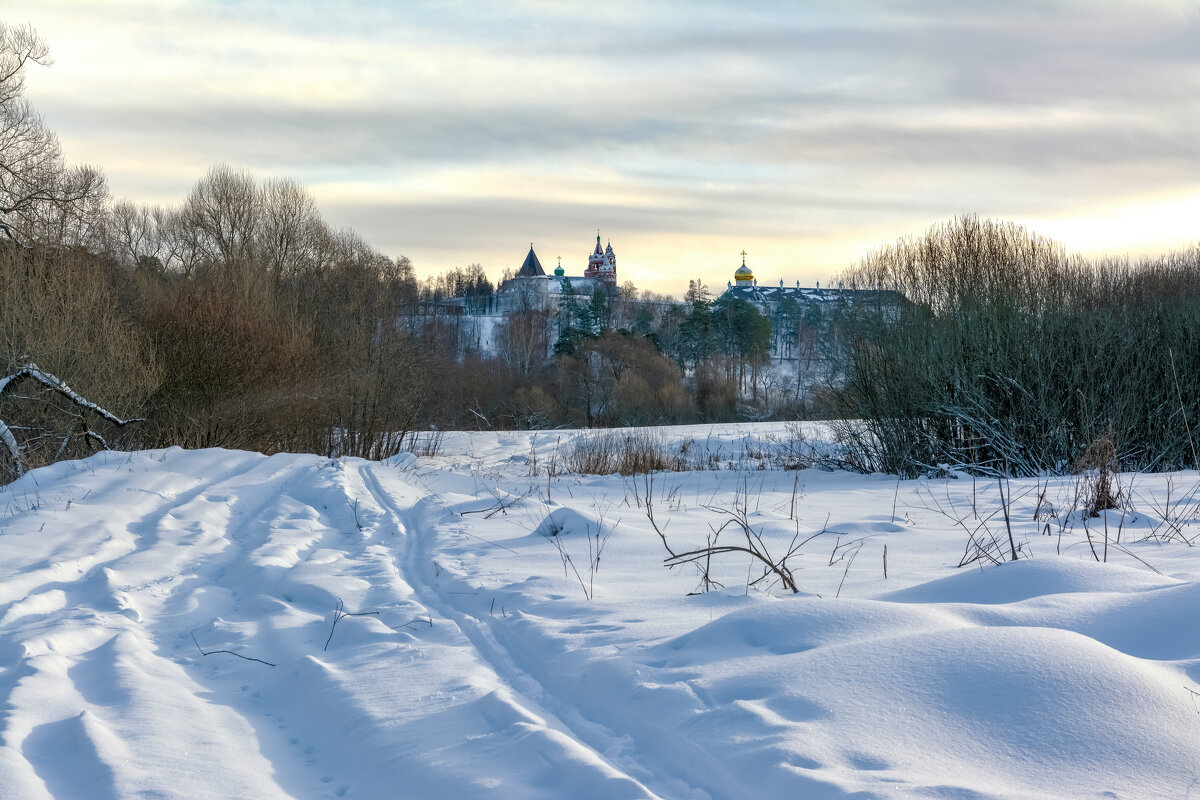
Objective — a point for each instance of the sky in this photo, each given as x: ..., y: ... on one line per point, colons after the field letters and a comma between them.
x: 805, y: 133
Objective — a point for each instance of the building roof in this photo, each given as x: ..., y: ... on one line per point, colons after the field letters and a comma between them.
x: 775, y: 294
x: 532, y: 268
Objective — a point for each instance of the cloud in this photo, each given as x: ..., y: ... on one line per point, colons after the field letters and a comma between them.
x: 774, y: 120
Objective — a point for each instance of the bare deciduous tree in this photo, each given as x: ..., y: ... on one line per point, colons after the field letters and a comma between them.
x: 40, y: 197
x: 220, y: 217
x: 523, y: 341
x: 292, y: 235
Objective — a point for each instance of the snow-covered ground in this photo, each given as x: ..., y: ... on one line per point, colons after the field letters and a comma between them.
x: 171, y: 625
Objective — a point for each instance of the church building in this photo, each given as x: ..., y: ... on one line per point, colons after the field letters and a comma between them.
x: 602, y: 264
x: 766, y: 298
x: 532, y: 289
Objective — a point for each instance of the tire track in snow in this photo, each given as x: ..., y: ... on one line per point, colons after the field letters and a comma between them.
x: 384, y: 705
x: 251, y: 552
x: 293, y: 550
x: 91, y: 680
x: 663, y: 760
x: 205, y: 557
x: 44, y: 590
x: 527, y: 694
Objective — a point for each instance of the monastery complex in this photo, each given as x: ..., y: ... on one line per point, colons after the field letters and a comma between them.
x: 533, y: 288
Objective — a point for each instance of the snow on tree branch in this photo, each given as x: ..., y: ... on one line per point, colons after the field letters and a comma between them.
x: 54, y: 383
x: 32, y: 370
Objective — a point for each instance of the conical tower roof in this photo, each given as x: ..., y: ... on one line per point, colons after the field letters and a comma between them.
x: 532, y: 267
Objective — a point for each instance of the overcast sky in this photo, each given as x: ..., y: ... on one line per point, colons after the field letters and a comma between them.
x: 806, y: 133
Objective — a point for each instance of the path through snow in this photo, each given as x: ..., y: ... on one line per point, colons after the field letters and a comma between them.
x: 106, y: 693
x: 473, y: 659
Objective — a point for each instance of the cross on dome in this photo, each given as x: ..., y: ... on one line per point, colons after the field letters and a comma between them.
x: 743, y: 276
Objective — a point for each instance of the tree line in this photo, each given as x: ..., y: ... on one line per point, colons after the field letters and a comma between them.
x: 1011, y: 356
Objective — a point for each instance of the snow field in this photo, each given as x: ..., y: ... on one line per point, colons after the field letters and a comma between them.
x: 486, y: 651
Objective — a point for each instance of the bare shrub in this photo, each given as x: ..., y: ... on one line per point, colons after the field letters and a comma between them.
x: 716, y: 393
x: 792, y: 450
x: 1173, y: 513
x: 378, y: 402
x: 1097, y: 488
x: 66, y: 311
x: 774, y: 569
x: 63, y: 311
x: 234, y: 374
x: 618, y: 379
x: 595, y: 542
x: 426, y: 443
x: 531, y: 408
x: 628, y: 452
x: 986, y: 544
x: 1009, y: 356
